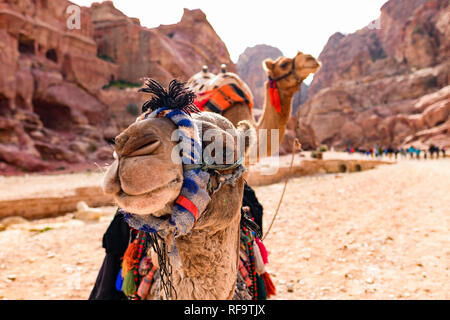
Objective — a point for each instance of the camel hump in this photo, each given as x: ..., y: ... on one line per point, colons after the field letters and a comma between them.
x: 203, y: 82
x: 199, y: 80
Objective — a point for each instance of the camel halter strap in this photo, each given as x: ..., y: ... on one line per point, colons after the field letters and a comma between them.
x: 291, y: 72
x: 226, y: 173
x: 218, y: 167
x: 273, y: 88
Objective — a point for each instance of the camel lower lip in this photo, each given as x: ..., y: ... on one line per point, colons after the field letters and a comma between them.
x: 313, y: 66
x: 123, y: 194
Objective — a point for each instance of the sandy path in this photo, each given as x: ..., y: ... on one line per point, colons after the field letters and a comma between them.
x: 379, y: 234
x: 35, y: 186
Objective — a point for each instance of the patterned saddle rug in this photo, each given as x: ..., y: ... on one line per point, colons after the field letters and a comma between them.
x: 216, y: 93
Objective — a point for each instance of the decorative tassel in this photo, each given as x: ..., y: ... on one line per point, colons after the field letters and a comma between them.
x: 244, y: 274
x: 129, y: 285
x: 262, y: 250
x: 259, y: 263
x: 146, y: 284
x: 262, y: 292
x: 130, y: 258
x: 119, y: 281
x: 274, y: 96
x: 145, y: 266
x: 268, y: 283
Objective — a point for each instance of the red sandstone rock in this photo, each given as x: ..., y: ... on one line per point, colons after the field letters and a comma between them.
x: 250, y: 69
x: 163, y: 53
x: 54, y: 110
x: 384, y: 86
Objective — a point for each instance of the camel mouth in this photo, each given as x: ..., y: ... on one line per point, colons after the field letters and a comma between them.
x: 145, y: 149
x: 313, y: 65
x: 170, y: 185
x: 142, y: 146
x: 152, y: 202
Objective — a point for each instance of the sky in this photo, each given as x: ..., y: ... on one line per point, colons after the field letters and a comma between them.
x: 289, y: 25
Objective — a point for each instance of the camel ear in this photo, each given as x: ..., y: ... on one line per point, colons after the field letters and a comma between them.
x: 246, y: 136
x: 299, y: 53
x: 268, y: 64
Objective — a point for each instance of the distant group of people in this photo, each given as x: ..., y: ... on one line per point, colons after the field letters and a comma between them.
x: 413, y: 153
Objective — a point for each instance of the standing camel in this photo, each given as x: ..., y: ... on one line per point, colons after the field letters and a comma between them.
x: 285, y: 76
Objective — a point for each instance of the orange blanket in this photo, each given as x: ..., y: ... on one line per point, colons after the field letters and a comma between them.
x: 220, y: 99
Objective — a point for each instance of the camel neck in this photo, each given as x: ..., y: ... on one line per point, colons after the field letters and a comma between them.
x: 270, y: 112
x: 274, y: 120
x: 209, y: 264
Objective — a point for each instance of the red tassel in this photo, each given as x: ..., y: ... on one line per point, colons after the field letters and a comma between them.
x: 274, y: 96
x: 263, y: 250
x: 270, y: 287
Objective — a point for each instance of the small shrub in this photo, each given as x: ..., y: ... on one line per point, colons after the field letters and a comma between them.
x: 323, y: 148
x: 45, y: 229
x: 132, y: 109
x: 317, y: 155
x: 105, y: 58
x: 121, y: 84
x: 419, y: 30
x: 92, y: 147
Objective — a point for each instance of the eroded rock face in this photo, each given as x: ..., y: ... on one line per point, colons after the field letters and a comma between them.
x: 374, y: 84
x: 165, y: 52
x: 50, y: 78
x: 58, y: 102
x: 250, y: 69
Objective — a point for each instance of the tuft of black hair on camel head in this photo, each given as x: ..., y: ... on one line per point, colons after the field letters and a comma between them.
x: 177, y: 96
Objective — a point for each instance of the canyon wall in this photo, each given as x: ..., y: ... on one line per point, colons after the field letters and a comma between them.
x: 386, y: 84
x: 65, y: 93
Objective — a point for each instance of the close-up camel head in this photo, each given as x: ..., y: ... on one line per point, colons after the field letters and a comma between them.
x: 300, y: 67
x: 198, y: 200
x: 147, y: 175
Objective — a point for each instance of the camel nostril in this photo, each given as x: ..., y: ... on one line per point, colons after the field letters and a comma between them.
x: 120, y: 141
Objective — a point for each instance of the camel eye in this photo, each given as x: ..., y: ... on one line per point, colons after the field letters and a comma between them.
x: 285, y: 65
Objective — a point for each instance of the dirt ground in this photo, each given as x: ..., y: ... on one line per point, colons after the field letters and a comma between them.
x: 378, y: 234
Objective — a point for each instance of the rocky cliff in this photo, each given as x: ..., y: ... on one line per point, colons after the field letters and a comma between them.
x: 60, y: 90
x: 166, y: 52
x: 386, y: 84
